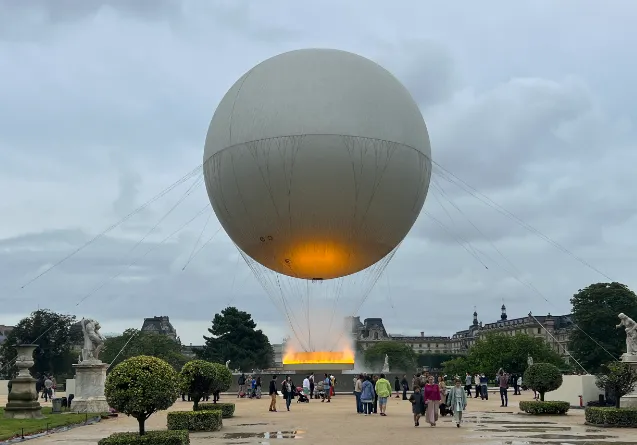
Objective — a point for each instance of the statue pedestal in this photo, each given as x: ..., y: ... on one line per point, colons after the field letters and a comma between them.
x: 23, y: 398
x: 90, y: 377
x: 629, y: 400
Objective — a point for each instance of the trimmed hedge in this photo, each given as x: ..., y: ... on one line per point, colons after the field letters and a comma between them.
x: 227, y: 409
x: 175, y: 437
x: 195, y: 420
x: 537, y: 407
x: 613, y: 417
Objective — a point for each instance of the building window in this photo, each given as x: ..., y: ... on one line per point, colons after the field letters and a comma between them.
x: 375, y: 335
x: 539, y: 330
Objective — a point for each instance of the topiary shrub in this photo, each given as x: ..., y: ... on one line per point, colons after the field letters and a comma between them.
x: 223, y: 378
x: 611, y: 417
x: 197, y: 379
x: 227, y: 409
x: 140, y: 386
x: 543, y: 378
x: 195, y: 420
x: 618, y: 379
x: 150, y: 438
x: 535, y: 407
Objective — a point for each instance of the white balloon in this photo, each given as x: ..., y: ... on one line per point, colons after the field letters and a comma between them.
x: 317, y: 163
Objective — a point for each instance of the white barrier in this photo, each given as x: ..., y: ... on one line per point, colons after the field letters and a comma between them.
x: 574, y: 386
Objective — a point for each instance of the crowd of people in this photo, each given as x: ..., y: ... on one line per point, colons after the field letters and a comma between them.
x: 430, y: 397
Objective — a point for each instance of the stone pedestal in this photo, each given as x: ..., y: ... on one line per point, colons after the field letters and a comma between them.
x: 629, y: 400
x: 90, y: 377
x: 23, y: 398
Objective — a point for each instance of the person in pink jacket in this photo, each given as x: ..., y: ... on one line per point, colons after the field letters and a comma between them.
x: 432, y: 401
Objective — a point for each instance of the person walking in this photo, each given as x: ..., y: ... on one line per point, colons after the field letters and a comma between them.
x: 288, y: 391
x: 503, y: 383
x: 405, y: 385
x: 397, y: 387
x: 417, y: 405
x: 476, y: 381
x: 358, y: 387
x: 383, y: 392
x: 273, y: 394
x: 484, y: 387
x: 467, y: 384
x: 311, y: 385
x: 327, y: 388
x: 367, y: 396
x: 48, y: 389
x: 306, y: 387
x: 242, y: 385
x: 514, y: 381
x: 457, y: 402
x: 432, y: 400
x: 374, y: 380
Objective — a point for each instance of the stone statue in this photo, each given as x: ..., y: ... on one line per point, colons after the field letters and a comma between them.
x: 386, y: 364
x: 529, y: 360
x: 93, y: 340
x: 228, y: 364
x: 631, y: 333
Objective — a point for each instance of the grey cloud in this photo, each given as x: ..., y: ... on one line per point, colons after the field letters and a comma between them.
x: 105, y: 106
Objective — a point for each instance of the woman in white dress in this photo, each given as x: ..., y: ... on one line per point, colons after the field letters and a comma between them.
x: 457, y: 402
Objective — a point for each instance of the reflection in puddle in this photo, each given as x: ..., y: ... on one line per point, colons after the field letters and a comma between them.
x: 267, y: 435
x: 570, y: 436
x: 525, y: 430
x: 570, y: 442
x: 250, y: 424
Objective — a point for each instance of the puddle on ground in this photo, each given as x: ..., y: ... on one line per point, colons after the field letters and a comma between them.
x: 251, y: 424
x: 296, y: 434
x: 525, y: 430
x: 570, y: 436
x: 570, y: 442
x: 517, y: 422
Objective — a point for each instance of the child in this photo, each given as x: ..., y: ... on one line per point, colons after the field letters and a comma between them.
x: 458, y: 402
x: 417, y: 405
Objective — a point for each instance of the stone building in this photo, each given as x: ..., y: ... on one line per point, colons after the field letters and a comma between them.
x: 553, y: 329
x: 160, y: 325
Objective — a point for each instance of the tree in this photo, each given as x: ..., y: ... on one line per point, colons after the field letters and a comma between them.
x: 401, y: 357
x: 140, y: 386
x: 543, y: 378
x: 234, y: 337
x: 435, y: 360
x: 53, y: 334
x: 509, y: 352
x: 134, y: 342
x: 223, y: 378
x: 595, y: 340
x: 618, y: 380
x: 197, y: 379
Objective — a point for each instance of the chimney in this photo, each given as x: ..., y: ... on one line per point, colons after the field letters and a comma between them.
x: 422, y: 333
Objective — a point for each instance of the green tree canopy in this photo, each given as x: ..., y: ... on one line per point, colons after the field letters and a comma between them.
x: 234, y: 337
x: 134, y: 342
x: 595, y: 311
x: 140, y: 386
x: 401, y: 357
x: 197, y: 379
x: 543, y: 378
x: 53, y: 334
x: 223, y: 378
x: 509, y: 352
x: 618, y: 379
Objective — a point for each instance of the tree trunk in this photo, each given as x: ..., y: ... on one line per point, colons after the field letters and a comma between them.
x: 195, y: 402
x: 617, y: 402
x: 141, y: 421
x: 541, y: 397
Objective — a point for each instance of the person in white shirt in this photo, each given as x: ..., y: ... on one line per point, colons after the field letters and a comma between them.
x: 306, y: 386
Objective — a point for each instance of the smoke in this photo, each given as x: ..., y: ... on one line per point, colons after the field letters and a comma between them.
x: 322, y: 329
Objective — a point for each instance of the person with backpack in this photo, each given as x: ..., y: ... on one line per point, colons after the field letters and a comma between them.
x: 242, y: 385
x: 273, y: 394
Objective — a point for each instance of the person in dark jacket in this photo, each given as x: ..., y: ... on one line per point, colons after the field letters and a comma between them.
x: 405, y: 385
x: 273, y: 394
x: 397, y: 386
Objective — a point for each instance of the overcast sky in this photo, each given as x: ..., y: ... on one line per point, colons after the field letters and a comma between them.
x: 103, y: 104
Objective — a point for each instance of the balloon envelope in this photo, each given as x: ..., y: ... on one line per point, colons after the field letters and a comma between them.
x: 317, y: 163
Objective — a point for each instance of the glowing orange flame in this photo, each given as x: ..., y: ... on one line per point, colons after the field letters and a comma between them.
x: 301, y: 358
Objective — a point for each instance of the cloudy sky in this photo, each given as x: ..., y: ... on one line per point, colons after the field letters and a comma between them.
x: 104, y: 104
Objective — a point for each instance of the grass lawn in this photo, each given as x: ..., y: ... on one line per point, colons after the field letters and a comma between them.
x: 13, y: 427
